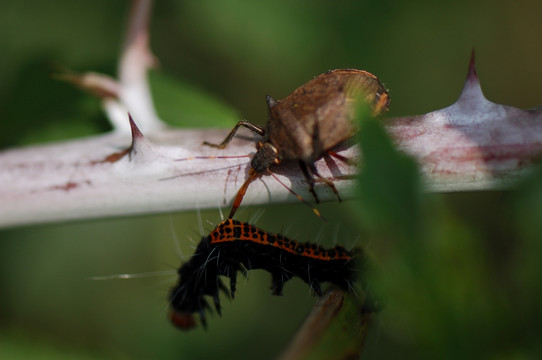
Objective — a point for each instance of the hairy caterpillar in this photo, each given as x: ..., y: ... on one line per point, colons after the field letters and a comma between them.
x: 236, y: 246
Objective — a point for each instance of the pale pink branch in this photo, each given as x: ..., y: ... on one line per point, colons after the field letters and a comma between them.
x: 94, y: 177
x: 472, y: 144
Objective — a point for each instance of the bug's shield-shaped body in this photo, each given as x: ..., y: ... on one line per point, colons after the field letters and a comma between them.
x: 320, y: 114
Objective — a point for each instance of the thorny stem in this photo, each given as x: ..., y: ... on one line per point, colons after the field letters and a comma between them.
x: 473, y: 144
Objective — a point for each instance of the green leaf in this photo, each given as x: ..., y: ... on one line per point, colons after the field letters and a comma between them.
x: 389, y: 185
x: 184, y: 105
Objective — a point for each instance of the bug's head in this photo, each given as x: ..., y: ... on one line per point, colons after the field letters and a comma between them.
x: 265, y: 156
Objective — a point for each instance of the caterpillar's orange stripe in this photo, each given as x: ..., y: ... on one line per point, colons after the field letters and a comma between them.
x: 233, y: 230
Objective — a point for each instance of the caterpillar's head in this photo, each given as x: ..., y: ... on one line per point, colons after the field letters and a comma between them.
x: 198, y: 280
x: 182, y: 320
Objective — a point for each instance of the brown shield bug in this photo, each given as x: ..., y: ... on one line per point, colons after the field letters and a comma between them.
x: 309, y: 122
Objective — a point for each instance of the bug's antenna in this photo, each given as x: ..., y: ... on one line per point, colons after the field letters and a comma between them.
x: 212, y: 157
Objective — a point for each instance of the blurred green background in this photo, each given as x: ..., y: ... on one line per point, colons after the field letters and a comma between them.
x: 458, y: 274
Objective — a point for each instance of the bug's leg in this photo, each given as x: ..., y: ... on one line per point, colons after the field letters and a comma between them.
x: 341, y: 158
x: 255, y: 129
x: 307, y: 173
x: 325, y: 180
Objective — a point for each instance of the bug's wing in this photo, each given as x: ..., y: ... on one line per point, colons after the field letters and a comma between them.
x: 319, y: 115
x: 343, y: 91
